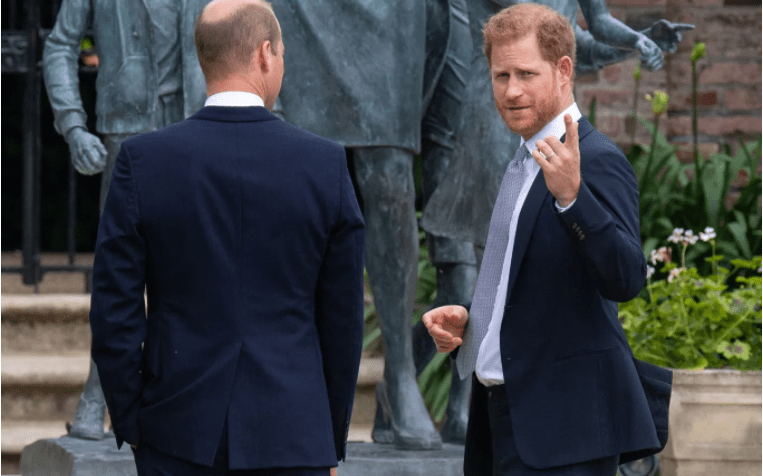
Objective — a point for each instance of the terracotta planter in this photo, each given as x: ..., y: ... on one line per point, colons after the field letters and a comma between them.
x: 715, y: 424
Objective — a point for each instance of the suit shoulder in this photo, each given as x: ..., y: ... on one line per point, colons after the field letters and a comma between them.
x: 596, y: 146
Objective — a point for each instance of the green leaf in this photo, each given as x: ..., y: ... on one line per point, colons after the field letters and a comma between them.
x: 738, y: 230
x: 736, y: 350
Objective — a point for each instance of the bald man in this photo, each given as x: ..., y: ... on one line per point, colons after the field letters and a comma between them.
x: 246, y: 236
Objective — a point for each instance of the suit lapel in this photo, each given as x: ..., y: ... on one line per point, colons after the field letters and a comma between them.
x: 529, y: 213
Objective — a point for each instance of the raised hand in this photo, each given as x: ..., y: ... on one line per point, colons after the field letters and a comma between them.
x: 88, y: 154
x: 446, y: 325
x: 667, y: 34
x: 560, y: 163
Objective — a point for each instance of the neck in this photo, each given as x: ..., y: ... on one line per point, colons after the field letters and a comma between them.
x: 236, y: 84
x: 567, y: 102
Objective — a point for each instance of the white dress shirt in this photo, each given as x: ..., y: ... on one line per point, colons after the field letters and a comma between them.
x: 234, y: 99
x: 489, y: 367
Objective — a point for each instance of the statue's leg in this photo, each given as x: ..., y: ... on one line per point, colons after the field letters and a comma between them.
x: 88, y: 419
x: 385, y: 179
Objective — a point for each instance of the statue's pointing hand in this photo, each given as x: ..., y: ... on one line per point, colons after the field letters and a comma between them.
x: 88, y: 154
x: 667, y: 34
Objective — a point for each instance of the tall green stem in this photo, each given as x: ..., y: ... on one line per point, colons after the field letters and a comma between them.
x: 642, y: 182
x: 637, y: 77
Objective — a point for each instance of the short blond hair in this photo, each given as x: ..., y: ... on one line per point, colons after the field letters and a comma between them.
x: 225, y: 46
x: 556, y: 38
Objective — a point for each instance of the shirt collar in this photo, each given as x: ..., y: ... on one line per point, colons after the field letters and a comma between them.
x: 554, y: 128
x: 234, y: 99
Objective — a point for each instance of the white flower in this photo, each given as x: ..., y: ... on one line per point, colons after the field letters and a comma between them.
x: 707, y: 235
x: 649, y: 271
x: 676, y: 236
x: 674, y: 274
x: 689, y: 238
x: 660, y: 255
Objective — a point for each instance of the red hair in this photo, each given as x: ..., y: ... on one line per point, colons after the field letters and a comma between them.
x: 556, y: 38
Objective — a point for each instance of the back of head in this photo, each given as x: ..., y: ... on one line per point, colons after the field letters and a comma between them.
x: 553, y: 31
x: 229, y: 31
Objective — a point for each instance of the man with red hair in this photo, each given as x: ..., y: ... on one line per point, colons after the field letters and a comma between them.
x: 555, y: 387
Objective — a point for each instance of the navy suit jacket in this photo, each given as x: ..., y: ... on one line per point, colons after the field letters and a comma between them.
x: 245, y: 233
x: 574, y: 391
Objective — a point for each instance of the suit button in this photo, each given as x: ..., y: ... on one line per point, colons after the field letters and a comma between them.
x: 575, y: 226
x: 582, y: 237
x: 489, y: 393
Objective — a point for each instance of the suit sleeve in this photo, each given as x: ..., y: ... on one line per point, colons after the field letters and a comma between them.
x: 117, y: 311
x: 603, y: 223
x: 60, y: 67
x: 339, y: 308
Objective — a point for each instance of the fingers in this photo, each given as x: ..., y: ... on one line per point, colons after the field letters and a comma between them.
x: 451, y: 317
x: 445, y: 347
x: 571, y: 137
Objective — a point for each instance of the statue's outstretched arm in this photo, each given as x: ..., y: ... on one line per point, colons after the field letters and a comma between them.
x: 60, y: 73
x: 614, y: 33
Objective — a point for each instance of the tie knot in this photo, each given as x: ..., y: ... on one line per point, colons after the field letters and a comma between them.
x: 520, y: 156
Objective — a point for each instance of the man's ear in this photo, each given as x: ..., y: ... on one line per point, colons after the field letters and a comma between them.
x: 265, y: 55
x: 566, y: 69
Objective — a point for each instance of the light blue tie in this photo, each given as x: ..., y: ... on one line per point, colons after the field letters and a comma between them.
x: 492, y: 264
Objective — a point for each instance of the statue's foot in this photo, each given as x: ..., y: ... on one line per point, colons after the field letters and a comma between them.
x: 454, y: 430
x: 88, y: 421
x: 411, y: 426
x: 382, y: 432
x: 85, y: 431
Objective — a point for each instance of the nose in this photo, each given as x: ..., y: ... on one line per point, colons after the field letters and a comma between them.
x: 513, y: 90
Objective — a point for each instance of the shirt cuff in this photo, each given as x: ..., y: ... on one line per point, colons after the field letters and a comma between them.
x: 562, y: 209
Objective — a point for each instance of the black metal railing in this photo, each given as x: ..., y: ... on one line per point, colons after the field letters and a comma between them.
x: 22, y: 46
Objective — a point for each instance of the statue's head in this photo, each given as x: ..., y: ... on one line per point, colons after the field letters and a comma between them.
x: 531, y: 52
x: 239, y: 42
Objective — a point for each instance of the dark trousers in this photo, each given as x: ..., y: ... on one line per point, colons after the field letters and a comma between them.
x: 150, y: 462
x: 490, y: 449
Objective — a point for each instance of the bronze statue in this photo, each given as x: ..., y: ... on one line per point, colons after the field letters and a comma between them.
x: 386, y: 79
x: 148, y: 77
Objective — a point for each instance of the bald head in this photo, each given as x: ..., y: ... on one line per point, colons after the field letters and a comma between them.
x: 228, y: 32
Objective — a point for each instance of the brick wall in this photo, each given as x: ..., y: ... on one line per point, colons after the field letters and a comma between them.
x: 729, y: 90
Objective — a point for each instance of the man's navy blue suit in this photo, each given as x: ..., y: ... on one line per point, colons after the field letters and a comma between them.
x: 573, y: 388
x: 245, y: 233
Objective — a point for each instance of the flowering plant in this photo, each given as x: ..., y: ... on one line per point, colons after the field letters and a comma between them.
x: 685, y: 320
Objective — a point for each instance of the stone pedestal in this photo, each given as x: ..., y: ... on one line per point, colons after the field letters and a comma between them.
x: 372, y: 459
x: 715, y: 424
x: 67, y: 456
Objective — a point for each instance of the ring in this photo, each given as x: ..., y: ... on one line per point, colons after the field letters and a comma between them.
x: 548, y: 157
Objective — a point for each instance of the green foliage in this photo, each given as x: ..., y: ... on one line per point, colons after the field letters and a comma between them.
x: 690, y: 321
x: 434, y: 383
x: 697, y: 52
x: 668, y: 200
x: 86, y: 44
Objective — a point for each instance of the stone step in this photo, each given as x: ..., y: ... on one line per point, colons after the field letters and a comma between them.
x: 52, y: 281
x: 45, y: 323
